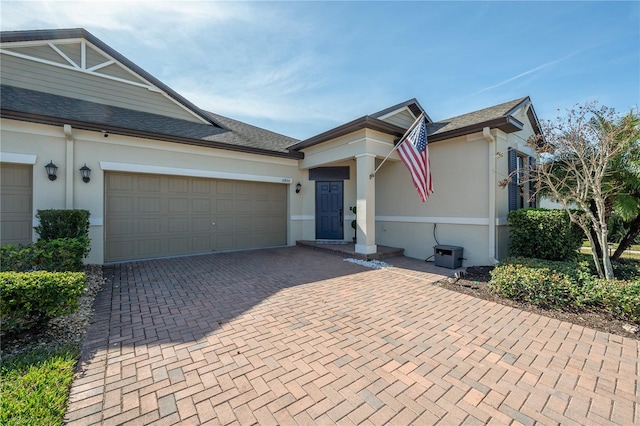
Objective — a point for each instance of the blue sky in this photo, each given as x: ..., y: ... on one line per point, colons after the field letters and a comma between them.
x: 300, y: 68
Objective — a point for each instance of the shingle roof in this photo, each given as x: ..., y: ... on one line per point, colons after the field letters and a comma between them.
x: 497, y: 116
x: 366, y: 122
x: 494, y: 116
x: 71, y: 33
x: 46, y: 108
x: 247, y: 135
x: 412, y: 104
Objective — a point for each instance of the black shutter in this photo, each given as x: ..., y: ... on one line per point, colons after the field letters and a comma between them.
x: 512, y: 157
x: 532, y: 184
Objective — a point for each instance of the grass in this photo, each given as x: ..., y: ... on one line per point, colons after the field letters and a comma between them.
x: 34, y: 387
x: 625, y: 255
x: 633, y: 247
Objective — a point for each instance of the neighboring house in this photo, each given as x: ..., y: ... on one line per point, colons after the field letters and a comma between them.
x: 168, y: 178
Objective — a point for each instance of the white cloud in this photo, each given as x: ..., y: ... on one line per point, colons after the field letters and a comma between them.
x: 525, y: 73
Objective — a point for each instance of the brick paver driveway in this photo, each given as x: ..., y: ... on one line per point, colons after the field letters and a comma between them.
x: 295, y: 336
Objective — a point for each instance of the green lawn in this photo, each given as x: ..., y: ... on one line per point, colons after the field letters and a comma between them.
x: 634, y: 247
x: 34, y: 386
x: 625, y: 255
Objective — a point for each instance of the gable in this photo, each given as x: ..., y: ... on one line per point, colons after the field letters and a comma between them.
x: 78, y: 69
x: 401, y: 118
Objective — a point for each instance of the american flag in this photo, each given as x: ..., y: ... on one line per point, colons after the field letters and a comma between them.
x: 414, y: 153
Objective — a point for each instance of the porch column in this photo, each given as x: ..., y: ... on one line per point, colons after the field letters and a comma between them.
x: 366, y: 204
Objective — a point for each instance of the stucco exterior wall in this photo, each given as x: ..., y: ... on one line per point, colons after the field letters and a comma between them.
x: 459, y: 206
x: 136, y: 155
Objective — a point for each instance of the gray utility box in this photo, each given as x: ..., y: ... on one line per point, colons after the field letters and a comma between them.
x: 448, y: 256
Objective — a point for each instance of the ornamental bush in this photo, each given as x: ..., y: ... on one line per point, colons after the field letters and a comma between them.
x: 28, y: 300
x: 56, y: 224
x: 622, y: 299
x: 548, y: 284
x: 60, y: 254
x: 565, y: 286
x: 544, y: 234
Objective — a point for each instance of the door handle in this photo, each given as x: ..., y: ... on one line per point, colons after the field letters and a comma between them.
x: 341, y: 216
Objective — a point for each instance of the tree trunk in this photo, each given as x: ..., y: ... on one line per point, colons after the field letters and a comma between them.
x: 629, y: 238
x: 596, y: 259
x: 594, y: 235
x: 606, y: 259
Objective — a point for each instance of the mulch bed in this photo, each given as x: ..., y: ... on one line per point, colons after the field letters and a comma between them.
x: 475, y: 283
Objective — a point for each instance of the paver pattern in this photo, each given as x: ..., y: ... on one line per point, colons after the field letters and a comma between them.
x: 293, y: 336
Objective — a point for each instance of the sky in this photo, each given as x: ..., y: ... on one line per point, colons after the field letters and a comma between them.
x: 301, y: 68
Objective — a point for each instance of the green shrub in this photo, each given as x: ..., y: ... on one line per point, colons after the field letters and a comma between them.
x: 565, y: 285
x: 544, y: 234
x: 61, y: 254
x: 626, y: 269
x: 56, y: 224
x: 547, y: 284
x: 622, y: 299
x: 30, y: 299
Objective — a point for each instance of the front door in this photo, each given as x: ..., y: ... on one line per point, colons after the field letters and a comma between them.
x: 329, y: 210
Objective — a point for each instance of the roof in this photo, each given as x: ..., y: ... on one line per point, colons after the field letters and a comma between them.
x: 70, y: 33
x: 216, y: 131
x: 366, y: 122
x: 244, y: 134
x: 45, y: 108
x: 498, y: 116
x: 413, y: 105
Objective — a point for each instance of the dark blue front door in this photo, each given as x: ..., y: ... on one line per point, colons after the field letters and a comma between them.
x: 329, y: 210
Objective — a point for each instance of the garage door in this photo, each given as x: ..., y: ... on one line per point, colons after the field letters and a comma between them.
x: 16, y: 194
x: 154, y: 216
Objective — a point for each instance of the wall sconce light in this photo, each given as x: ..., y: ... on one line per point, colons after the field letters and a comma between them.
x: 85, y: 172
x: 51, y: 170
x: 298, y: 188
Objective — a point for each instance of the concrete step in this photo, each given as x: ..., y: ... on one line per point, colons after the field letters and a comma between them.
x: 347, y: 249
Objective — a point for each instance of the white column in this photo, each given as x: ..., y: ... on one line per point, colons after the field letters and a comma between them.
x: 366, y: 204
x: 68, y: 167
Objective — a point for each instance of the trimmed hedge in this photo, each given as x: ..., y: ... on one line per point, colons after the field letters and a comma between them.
x: 544, y: 234
x: 60, y: 223
x: 565, y: 286
x: 548, y: 284
x: 31, y: 299
x: 61, y: 254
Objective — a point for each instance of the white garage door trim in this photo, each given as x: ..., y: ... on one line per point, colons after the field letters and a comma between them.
x: 16, y: 158
x: 175, y: 171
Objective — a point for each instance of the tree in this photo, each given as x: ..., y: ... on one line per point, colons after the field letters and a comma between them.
x: 623, y: 208
x: 576, y: 155
x: 626, y: 170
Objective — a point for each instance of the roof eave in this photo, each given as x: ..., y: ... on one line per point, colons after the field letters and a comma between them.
x: 16, y: 36
x: 366, y: 122
x: 83, y: 125
x: 412, y: 104
x: 507, y: 124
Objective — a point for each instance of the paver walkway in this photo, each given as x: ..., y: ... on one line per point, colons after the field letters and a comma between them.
x: 295, y: 336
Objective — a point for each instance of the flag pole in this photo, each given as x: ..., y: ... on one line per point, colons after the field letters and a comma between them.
x: 372, y: 175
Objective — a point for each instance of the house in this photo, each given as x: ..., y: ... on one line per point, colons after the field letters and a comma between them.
x: 167, y: 178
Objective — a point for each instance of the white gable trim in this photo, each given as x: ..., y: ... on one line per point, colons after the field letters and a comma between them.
x: 387, y: 115
x: 82, y: 67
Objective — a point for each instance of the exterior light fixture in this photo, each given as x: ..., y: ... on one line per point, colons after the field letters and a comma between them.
x: 85, y: 172
x: 298, y: 188
x: 51, y: 171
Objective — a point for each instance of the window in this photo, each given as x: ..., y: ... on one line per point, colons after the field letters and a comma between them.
x: 521, y: 189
